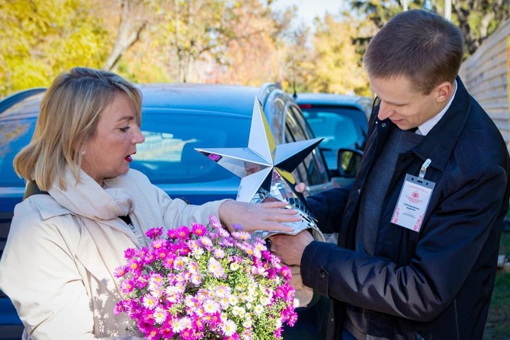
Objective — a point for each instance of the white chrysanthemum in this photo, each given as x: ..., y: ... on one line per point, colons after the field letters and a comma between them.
x: 228, y: 327
x: 150, y: 301
x: 190, y: 302
x: 180, y: 278
x: 243, y: 235
x: 265, y: 301
x: 206, y: 241
x: 222, y: 291
x: 247, y: 335
x: 211, y: 306
x: 219, y: 253
x: 262, y: 271
x: 185, y: 322
x: 156, y: 291
x: 249, y: 297
x: 233, y: 300
x: 234, y: 266
x: 259, y: 247
x: 248, y: 322
x: 257, y: 253
x: 196, y: 280
x: 160, y: 315
x: 249, y: 306
x: 176, y: 326
x: 202, y: 295
x: 238, y: 311
x: 224, y: 302
x: 258, y: 309
x: 193, y: 267
x: 156, y: 280
x: 215, y: 268
x: 197, y: 253
x: 179, y: 263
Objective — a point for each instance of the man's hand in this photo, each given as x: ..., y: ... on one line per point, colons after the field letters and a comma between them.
x: 252, y: 216
x: 290, y: 248
x: 300, y: 187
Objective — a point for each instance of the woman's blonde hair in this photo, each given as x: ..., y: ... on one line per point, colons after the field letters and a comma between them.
x: 68, y: 118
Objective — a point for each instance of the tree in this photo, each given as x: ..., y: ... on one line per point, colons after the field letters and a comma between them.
x: 44, y: 38
x: 337, y: 66
x: 251, y: 57
x: 477, y: 19
x: 134, y: 17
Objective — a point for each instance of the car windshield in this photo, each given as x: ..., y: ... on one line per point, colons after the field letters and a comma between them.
x: 168, y: 154
x: 340, y: 127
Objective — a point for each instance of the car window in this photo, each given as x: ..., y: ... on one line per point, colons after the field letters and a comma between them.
x: 340, y: 127
x: 168, y: 154
x: 14, y: 135
x: 308, y: 167
x: 308, y: 132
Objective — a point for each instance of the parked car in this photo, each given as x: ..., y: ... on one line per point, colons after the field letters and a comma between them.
x: 341, y: 120
x: 177, y: 118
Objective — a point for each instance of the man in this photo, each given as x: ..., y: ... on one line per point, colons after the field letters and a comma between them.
x: 419, y: 228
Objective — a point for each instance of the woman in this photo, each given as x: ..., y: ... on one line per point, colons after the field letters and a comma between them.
x: 63, y: 247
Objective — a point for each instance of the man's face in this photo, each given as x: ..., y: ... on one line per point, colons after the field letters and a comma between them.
x: 403, y: 105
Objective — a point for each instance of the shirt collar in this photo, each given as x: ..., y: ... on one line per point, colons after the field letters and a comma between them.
x: 425, y: 128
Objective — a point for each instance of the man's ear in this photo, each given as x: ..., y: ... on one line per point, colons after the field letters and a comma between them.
x: 443, y: 91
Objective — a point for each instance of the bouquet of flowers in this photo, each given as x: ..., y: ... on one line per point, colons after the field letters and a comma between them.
x: 200, y: 283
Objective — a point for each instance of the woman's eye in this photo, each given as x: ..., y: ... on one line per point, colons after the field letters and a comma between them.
x: 124, y: 129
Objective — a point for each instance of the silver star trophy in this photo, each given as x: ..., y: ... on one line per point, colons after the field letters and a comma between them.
x: 265, y: 171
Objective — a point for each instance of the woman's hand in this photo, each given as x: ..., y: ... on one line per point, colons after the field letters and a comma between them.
x: 254, y: 216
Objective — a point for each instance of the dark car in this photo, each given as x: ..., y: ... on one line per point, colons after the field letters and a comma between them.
x: 341, y: 120
x: 177, y: 118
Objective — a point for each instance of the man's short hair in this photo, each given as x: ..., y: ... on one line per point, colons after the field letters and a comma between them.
x: 420, y: 45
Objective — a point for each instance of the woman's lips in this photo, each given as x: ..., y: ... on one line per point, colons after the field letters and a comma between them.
x: 128, y: 159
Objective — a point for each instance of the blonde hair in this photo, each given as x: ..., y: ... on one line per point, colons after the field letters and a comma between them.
x: 68, y: 118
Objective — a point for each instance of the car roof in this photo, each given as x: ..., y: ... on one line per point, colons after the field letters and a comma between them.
x: 213, y: 97
x: 327, y: 98
x: 234, y: 99
x: 360, y: 102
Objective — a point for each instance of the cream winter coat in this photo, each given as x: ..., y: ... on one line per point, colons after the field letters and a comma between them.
x: 62, y: 250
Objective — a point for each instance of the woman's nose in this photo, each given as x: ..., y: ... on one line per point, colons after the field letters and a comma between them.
x: 138, y: 137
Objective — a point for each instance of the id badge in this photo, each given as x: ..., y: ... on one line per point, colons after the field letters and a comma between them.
x: 413, y: 200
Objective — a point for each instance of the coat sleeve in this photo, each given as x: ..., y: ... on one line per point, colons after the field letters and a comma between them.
x: 446, y: 253
x: 39, y: 275
x: 174, y: 211
x: 177, y: 212
x: 328, y: 207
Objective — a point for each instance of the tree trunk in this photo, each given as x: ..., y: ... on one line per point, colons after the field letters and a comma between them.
x: 132, y: 22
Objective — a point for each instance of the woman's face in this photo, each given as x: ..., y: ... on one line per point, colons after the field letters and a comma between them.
x: 108, y: 152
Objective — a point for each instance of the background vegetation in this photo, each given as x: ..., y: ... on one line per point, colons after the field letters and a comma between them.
x: 210, y: 41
